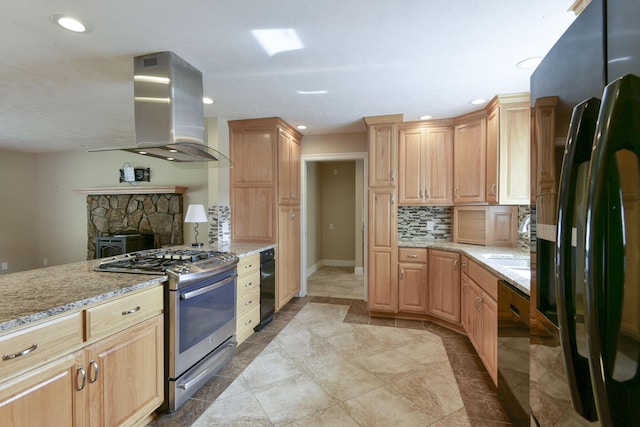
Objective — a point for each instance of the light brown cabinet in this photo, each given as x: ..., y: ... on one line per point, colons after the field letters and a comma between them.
x: 469, y: 162
x: 426, y: 164
x: 480, y: 313
x: 248, y: 296
x: 413, y: 280
x: 288, y: 258
x: 444, y: 285
x: 265, y: 204
x: 114, y: 377
x: 382, y: 254
x: 508, y: 150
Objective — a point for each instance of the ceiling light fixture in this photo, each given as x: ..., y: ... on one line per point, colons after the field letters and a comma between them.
x: 301, y: 127
x: 478, y: 101
x: 277, y: 40
x: 207, y: 100
x: 426, y: 117
x: 70, y: 23
x: 311, y: 92
x: 529, y: 63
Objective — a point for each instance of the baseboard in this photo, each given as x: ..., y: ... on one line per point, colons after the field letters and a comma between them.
x: 358, y: 270
x: 315, y: 267
x: 338, y: 263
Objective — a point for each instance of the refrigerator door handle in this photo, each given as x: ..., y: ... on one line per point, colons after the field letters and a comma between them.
x: 618, y: 129
x: 572, y: 216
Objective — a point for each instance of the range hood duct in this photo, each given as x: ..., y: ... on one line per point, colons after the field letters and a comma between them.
x: 169, y: 115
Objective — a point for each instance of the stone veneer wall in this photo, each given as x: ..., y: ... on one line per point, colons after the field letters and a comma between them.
x: 158, y: 214
x: 412, y: 223
x: 219, y: 224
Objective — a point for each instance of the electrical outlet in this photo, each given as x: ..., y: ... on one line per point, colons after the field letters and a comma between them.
x: 45, y: 261
x: 330, y: 226
x: 5, y: 265
x: 429, y: 225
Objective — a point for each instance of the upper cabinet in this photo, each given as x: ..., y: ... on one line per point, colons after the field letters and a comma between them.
x: 508, y: 150
x: 383, y: 150
x: 266, y: 173
x: 426, y: 164
x: 469, y: 164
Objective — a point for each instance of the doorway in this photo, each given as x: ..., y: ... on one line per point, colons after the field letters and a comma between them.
x: 333, y: 225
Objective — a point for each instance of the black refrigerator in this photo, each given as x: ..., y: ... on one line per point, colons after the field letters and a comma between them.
x: 585, y: 331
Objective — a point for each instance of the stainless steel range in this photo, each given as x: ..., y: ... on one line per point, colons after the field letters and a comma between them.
x: 200, y: 313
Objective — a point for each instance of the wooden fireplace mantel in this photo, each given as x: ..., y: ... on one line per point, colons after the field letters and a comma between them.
x: 138, y: 189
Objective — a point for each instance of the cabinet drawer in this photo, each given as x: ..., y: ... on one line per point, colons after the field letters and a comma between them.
x: 248, y: 283
x: 39, y: 344
x: 108, y: 318
x: 248, y: 301
x: 412, y: 255
x: 248, y: 264
x: 246, y: 323
x: 484, y: 278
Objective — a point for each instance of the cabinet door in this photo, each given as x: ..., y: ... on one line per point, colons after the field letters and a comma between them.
x: 288, y: 168
x: 469, y: 162
x: 287, y: 261
x: 46, y: 396
x: 493, y: 135
x: 514, y: 146
x: 252, y: 152
x: 253, y: 214
x: 439, y: 166
x: 125, y: 374
x: 444, y: 285
x: 489, y: 342
x: 411, y: 187
x: 412, y: 287
x: 382, y: 277
x: 382, y: 155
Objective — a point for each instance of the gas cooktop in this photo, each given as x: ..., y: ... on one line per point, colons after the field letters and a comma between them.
x: 159, y: 261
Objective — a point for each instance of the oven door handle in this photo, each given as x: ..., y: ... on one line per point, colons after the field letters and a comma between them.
x: 209, y: 288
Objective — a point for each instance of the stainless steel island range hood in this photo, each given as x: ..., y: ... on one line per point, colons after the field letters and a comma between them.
x: 169, y: 115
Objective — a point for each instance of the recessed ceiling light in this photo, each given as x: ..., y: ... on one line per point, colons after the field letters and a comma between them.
x: 301, y: 127
x: 278, y: 40
x: 427, y: 117
x: 528, y: 63
x: 170, y: 158
x: 142, y: 152
x: 71, y: 23
x: 478, y: 101
x: 311, y: 92
x: 207, y: 100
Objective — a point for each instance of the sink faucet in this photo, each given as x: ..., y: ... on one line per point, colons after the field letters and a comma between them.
x: 525, y: 227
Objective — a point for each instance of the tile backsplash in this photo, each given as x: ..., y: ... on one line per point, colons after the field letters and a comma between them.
x: 413, y: 223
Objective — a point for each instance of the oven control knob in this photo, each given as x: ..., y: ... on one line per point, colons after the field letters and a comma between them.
x: 183, y: 268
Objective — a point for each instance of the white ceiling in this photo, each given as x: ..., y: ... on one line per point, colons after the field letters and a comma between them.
x: 66, y: 91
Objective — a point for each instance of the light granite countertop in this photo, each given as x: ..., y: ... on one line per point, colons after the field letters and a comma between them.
x: 477, y: 253
x: 33, y: 295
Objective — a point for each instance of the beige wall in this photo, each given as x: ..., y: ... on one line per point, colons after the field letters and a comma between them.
x: 60, y: 215
x: 334, y: 143
x: 17, y: 211
x: 338, y: 207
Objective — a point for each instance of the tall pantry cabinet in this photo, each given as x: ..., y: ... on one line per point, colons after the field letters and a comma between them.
x: 382, y: 274
x: 265, y: 194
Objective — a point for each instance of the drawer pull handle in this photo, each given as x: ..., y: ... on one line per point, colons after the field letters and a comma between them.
x: 455, y: 264
x: 96, y: 372
x: 133, y: 310
x: 248, y: 284
x: 412, y: 256
x: 248, y: 302
x: 83, y: 375
x: 21, y: 353
x: 248, y: 266
x: 248, y: 322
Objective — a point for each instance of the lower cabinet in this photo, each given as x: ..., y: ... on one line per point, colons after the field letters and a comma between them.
x: 444, y: 285
x: 114, y: 379
x: 125, y: 375
x: 480, y: 313
x: 412, y: 281
x: 248, y: 296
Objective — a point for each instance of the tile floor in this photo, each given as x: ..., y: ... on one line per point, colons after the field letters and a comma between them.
x: 323, y: 361
x: 337, y: 282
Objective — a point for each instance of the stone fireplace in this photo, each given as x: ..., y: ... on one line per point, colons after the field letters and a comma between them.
x: 149, y: 210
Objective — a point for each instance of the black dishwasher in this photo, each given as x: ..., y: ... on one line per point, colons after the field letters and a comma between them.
x: 267, y: 287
